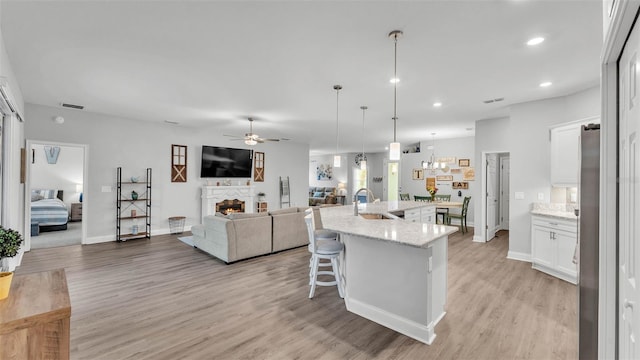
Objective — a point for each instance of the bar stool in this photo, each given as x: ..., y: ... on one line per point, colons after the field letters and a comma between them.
x: 323, y: 249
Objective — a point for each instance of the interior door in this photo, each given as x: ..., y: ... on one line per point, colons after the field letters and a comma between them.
x: 504, y: 192
x: 629, y: 155
x: 492, y: 201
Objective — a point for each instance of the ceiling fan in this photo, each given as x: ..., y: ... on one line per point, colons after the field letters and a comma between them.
x: 250, y: 138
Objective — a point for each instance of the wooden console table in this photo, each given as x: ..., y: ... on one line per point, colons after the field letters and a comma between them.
x: 34, y: 319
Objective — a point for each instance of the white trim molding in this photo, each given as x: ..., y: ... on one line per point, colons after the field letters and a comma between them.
x: 621, y: 19
x: 514, y: 255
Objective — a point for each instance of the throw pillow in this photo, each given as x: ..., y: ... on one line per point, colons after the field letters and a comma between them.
x: 318, y: 194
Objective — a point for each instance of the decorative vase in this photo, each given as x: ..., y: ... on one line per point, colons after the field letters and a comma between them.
x: 5, y: 284
x: 134, y: 230
x: 134, y: 195
x: 134, y: 179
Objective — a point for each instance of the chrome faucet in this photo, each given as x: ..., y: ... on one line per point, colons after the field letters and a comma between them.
x: 355, y: 199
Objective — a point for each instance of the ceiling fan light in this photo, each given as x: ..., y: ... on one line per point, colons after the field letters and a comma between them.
x: 250, y: 142
x: 394, y: 151
x: 336, y: 161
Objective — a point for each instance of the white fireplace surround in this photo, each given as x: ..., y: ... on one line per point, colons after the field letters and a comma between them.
x: 211, y: 195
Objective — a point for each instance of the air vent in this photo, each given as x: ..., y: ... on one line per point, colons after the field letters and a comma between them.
x: 73, y: 106
x: 493, y: 100
x: 171, y: 122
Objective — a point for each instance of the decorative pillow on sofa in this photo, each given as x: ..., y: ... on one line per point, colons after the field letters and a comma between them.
x: 328, y: 193
x: 318, y: 194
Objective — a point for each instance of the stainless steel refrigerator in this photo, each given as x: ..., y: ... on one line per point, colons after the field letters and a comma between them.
x: 588, y: 230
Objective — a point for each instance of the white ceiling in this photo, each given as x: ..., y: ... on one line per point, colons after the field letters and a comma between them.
x: 213, y: 64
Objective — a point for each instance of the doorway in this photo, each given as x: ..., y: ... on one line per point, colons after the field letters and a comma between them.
x: 55, y: 205
x: 495, y: 187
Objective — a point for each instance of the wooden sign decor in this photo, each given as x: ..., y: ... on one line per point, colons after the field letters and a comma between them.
x: 456, y: 171
x: 460, y: 185
x: 418, y: 174
x: 431, y: 182
x: 178, y: 163
x: 463, y: 162
x: 468, y: 174
x: 447, y: 160
x: 258, y: 167
x: 444, y: 177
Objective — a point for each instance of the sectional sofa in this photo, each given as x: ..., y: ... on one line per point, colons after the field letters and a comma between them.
x: 240, y: 236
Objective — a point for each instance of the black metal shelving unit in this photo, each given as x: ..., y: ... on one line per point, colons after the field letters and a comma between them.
x: 126, y: 202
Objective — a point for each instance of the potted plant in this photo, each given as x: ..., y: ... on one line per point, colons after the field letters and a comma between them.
x: 10, y: 242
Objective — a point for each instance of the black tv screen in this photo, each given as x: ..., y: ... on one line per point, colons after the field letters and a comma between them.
x: 220, y: 162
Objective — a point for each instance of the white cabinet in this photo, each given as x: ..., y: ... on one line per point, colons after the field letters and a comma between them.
x: 553, y: 243
x: 565, y: 152
x: 426, y: 214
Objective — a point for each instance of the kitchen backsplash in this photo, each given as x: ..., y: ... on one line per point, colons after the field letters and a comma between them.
x: 553, y: 206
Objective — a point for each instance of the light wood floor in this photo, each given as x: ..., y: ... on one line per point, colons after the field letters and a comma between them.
x: 161, y: 299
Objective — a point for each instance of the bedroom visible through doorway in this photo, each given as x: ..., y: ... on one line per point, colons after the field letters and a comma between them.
x: 54, y: 215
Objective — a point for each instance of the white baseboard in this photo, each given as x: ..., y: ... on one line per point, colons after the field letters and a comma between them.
x: 513, y: 255
x: 478, y: 239
x: 108, y: 238
x: 412, y: 329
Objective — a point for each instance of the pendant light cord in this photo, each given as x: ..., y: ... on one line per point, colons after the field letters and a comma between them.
x: 337, y: 88
x: 395, y: 83
x: 364, y: 108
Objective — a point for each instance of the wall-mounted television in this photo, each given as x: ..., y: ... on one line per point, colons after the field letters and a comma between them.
x: 221, y: 162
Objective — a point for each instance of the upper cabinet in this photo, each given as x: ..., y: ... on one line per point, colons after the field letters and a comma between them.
x: 565, y: 153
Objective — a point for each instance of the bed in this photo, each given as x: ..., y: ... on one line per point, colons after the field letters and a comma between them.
x: 48, y: 210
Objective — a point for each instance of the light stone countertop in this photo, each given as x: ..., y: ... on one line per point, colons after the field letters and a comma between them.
x: 554, y: 210
x: 341, y: 219
x: 559, y: 214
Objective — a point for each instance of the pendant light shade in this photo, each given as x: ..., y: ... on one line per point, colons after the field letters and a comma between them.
x: 337, y: 157
x: 363, y: 162
x: 394, y: 147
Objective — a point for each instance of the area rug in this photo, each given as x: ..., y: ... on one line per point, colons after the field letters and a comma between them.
x: 187, y: 240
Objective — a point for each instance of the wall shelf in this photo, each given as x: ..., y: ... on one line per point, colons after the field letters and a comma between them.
x: 124, y: 204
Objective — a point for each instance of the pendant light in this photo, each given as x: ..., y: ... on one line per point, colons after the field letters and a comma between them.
x: 336, y: 157
x: 394, y: 147
x: 363, y: 162
x: 432, y: 164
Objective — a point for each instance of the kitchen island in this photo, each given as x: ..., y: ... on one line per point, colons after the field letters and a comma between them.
x: 394, y: 271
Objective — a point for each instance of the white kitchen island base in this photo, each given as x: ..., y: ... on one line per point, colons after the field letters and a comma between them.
x: 401, y: 287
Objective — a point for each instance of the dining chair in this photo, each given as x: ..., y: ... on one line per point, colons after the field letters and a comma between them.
x: 439, y: 210
x: 405, y: 196
x: 462, y: 216
x: 421, y: 198
x: 322, y: 249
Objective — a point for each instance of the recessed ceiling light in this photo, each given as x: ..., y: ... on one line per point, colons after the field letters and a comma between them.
x: 546, y: 84
x: 394, y: 80
x: 535, y: 41
x: 437, y: 104
x: 469, y: 129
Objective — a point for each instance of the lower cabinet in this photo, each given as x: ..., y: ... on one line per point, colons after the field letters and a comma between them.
x: 553, y: 243
x: 425, y: 214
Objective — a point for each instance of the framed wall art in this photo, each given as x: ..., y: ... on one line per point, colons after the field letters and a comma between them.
x: 444, y: 178
x: 468, y: 174
x: 456, y: 171
x: 464, y: 162
x: 418, y: 174
x: 258, y: 166
x: 178, y: 163
x: 460, y: 185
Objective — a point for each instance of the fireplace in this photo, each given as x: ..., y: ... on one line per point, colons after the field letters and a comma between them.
x: 230, y: 206
x: 212, y: 195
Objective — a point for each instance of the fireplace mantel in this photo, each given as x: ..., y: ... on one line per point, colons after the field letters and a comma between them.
x: 215, y: 194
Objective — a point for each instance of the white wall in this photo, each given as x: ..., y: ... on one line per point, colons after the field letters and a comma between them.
x: 64, y: 175
x: 525, y: 135
x: 135, y: 145
x: 461, y: 148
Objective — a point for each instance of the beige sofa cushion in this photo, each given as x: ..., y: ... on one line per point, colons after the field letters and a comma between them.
x: 289, y: 229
